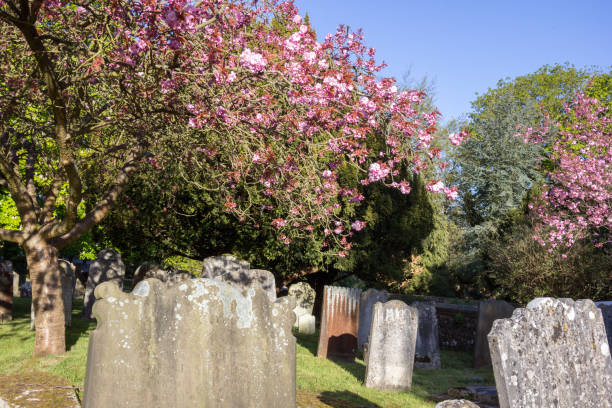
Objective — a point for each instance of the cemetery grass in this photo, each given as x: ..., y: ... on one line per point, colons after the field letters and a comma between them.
x: 321, y: 383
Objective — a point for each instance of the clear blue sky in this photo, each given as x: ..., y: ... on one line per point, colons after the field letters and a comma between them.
x: 466, y: 46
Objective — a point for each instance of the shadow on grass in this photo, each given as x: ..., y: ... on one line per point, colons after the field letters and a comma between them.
x: 79, y: 326
x: 345, y: 399
x: 355, y: 368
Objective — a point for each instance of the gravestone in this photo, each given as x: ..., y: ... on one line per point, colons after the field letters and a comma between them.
x: 606, y: 313
x: 553, y: 353
x: 107, y: 267
x: 25, y: 291
x: 339, y: 322
x: 245, y: 279
x: 150, y: 270
x: 391, y: 346
x: 366, y: 306
x: 488, y: 312
x: 306, y: 324
x: 304, y: 297
x: 6, y: 292
x: 218, y: 265
x: 68, y: 278
x: 79, y: 289
x: 427, y: 351
x: 456, y: 404
x: 199, y: 343
x: 8, y: 265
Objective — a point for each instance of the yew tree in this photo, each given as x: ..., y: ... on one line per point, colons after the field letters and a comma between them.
x: 241, y: 96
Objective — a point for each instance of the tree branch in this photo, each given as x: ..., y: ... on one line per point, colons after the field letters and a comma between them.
x: 18, y: 191
x: 100, y: 209
x: 11, y: 236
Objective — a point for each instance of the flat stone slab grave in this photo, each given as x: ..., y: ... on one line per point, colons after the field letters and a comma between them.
x: 339, y: 323
x: 197, y: 343
x: 553, y: 353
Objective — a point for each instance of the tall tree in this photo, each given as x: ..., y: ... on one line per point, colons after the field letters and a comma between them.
x: 264, y: 117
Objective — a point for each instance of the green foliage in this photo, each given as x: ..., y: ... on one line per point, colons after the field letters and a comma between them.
x: 184, y: 264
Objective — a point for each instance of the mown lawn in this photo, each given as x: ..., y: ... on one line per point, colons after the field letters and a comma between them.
x: 320, y: 382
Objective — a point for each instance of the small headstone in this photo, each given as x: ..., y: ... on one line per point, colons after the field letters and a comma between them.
x: 306, y: 324
x: 218, y: 265
x: 339, y: 322
x: 245, y: 279
x: 391, y: 346
x: 427, y: 354
x: 606, y: 313
x: 6, y: 293
x: 553, y: 353
x: 199, y: 343
x: 488, y: 312
x: 366, y: 306
x: 68, y: 277
x: 107, y: 267
x: 456, y: 404
x: 8, y: 265
x: 79, y: 289
x: 304, y: 297
x: 149, y: 270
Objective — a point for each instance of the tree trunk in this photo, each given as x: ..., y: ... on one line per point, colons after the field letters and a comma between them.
x: 42, y: 259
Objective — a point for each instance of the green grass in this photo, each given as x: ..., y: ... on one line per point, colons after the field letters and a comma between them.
x: 320, y: 382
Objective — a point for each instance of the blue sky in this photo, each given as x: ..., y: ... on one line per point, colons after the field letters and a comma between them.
x: 466, y: 46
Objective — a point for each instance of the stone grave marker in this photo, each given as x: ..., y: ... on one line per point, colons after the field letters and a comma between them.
x: 150, y: 270
x: 107, y: 267
x: 553, y: 353
x: 488, y: 312
x: 25, y: 291
x: 339, y: 322
x: 427, y: 352
x: 391, y: 346
x: 456, y: 404
x: 218, y: 265
x: 366, y: 305
x: 68, y: 278
x: 306, y: 324
x: 245, y: 279
x: 606, y: 313
x: 198, y: 343
x: 6, y: 292
x: 8, y: 265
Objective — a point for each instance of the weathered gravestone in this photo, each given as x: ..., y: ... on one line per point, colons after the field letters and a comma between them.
x: 456, y: 404
x: 68, y: 277
x: 150, y: 270
x: 8, y: 265
x: 25, y: 291
x: 68, y: 281
x: 79, y: 285
x: 488, y: 312
x: 339, y: 322
x: 304, y: 297
x: 107, y: 267
x: 6, y: 293
x: 606, y: 313
x: 553, y: 353
x: 391, y: 346
x: 251, y: 279
x: 198, y: 343
x: 218, y: 265
x: 366, y: 306
x: 427, y: 351
x: 306, y: 324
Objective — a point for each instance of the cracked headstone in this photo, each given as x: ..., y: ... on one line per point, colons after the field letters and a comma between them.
x: 427, y: 352
x: 391, y: 346
x: 488, y: 312
x: 366, y: 305
x: 107, y: 267
x: 339, y: 322
x: 235, y: 348
x: 552, y: 353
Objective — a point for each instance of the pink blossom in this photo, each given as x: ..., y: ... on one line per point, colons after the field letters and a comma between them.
x: 378, y: 171
x: 435, y: 187
x: 253, y: 61
x: 358, y: 225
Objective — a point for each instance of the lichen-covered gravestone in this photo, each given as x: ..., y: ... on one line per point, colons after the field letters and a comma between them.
x: 488, y: 312
x: 304, y: 297
x: 553, y: 353
x: 107, y: 267
x: 427, y: 352
x: 339, y: 322
x: 366, y: 306
x: 198, y: 343
x: 6, y: 293
x: 245, y: 279
x: 218, y: 265
x: 606, y: 313
x: 391, y: 346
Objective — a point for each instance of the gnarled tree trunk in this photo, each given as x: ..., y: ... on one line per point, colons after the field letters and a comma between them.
x: 42, y: 260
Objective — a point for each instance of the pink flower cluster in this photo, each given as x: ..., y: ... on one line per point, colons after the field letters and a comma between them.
x: 253, y: 61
